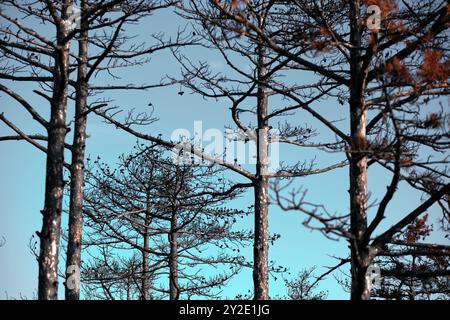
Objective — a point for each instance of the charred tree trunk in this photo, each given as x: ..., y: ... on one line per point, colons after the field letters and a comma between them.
x: 358, y: 204
x: 261, y: 244
x: 54, y: 180
x: 174, y: 289
x: 73, y: 261
x: 145, y: 269
x: 360, y: 286
x: 145, y: 286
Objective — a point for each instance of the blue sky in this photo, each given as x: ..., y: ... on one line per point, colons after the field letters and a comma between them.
x: 22, y: 173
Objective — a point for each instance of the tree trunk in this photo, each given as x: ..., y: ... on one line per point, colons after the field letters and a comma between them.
x: 145, y: 285
x: 261, y: 242
x: 361, y: 282
x: 73, y: 261
x: 358, y: 207
x: 145, y: 270
x: 360, y: 287
x: 54, y: 181
x: 411, y: 291
x: 173, y: 259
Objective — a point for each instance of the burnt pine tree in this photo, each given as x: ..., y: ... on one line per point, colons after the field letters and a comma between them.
x: 386, y: 58
x: 28, y: 54
x: 253, y: 87
x: 19, y: 46
x: 162, y: 225
x: 304, y: 286
x: 117, y: 51
x: 412, y: 269
x: 384, y: 69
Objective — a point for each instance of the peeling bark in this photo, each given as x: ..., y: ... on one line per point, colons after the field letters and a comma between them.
x: 77, y: 165
x: 360, y: 288
x: 54, y: 182
x: 261, y: 244
x: 261, y: 189
x: 145, y: 285
x: 173, y: 259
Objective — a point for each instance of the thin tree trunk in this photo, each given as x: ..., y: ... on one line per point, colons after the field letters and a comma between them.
x: 145, y: 269
x: 73, y: 261
x: 173, y: 259
x: 54, y: 181
x: 360, y: 260
x: 145, y: 285
x: 360, y: 286
x: 261, y: 242
x: 411, y: 291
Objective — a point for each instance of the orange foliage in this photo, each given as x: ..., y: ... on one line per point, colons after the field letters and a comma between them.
x: 373, y: 42
x: 433, y: 121
x: 397, y: 70
x: 395, y: 28
x: 432, y: 68
x: 319, y: 45
x: 418, y: 229
x: 406, y: 161
x: 324, y: 31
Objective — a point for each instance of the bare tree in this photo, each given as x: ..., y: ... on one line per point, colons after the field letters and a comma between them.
x: 390, y: 69
x: 302, y: 287
x: 412, y: 269
x: 171, y: 217
x: 19, y: 46
x: 33, y: 56
x: 383, y: 68
x: 255, y: 87
x: 118, y: 50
